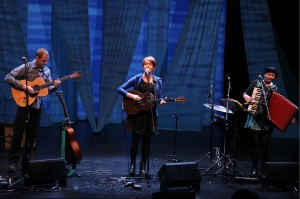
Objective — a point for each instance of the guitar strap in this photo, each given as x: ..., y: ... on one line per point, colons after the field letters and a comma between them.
x: 153, y: 127
x: 154, y: 89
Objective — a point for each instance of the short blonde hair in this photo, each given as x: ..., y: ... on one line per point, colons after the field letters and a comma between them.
x: 150, y: 59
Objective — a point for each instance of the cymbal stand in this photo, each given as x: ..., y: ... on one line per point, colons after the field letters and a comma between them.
x: 225, y: 166
x: 227, y: 160
x: 209, y: 153
x: 25, y: 160
x: 217, y: 161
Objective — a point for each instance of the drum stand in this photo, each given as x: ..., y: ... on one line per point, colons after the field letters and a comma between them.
x: 225, y: 156
x: 209, y: 153
x: 216, y: 150
x: 219, y: 158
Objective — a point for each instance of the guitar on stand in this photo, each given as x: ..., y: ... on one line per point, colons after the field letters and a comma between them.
x: 70, y: 148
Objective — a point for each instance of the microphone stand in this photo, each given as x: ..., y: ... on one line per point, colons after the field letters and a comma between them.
x: 226, y: 127
x: 211, y: 120
x: 25, y: 156
x: 264, y: 88
x: 153, y: 128
x: 210, y: 153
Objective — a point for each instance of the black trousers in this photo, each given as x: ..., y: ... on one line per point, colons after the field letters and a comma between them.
x: 21, y: 127
x: 260, y: 149
x: 145, y: 149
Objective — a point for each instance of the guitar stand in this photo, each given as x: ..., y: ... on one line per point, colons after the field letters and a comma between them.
x: 72, y: 171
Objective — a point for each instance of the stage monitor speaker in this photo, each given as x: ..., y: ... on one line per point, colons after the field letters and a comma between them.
x: 46, y: 172
x: 281, y: 174
x: 174, y: 195
x: 180, y: 174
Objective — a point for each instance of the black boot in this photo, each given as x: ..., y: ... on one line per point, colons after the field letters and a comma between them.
x: 132, y: 169
x: 143, y: 169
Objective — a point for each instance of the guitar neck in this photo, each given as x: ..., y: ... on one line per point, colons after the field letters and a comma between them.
x: 158, y: 100
x: 52, y: 83
x: 66, y: 115
x: 155, y: 100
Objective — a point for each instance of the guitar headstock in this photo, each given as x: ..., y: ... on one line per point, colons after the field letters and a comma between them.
x: 75, y: 75
x: 180, y: 99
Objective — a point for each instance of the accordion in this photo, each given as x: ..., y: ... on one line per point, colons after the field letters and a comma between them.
x: 281, y: 111
x: 255, y: 108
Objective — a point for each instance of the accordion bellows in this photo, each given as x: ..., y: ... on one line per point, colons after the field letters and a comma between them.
x: 281, y: 111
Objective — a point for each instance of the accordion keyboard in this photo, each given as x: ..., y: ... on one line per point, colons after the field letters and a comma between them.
x: 255, y: 108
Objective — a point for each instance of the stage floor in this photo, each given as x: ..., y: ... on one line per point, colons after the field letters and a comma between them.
x: 102, y: 173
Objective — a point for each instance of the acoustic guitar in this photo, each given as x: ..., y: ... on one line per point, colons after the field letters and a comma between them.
x: 73, y: 154
x: 132, y: 107
x: 40, y: 89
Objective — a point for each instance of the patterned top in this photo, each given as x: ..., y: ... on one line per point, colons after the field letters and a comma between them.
x: 260, y: 121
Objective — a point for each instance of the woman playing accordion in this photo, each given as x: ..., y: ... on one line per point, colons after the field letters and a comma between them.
x: 257, y: 121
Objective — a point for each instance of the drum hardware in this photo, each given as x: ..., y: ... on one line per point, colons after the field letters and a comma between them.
x: 229, y: 106
x: 212, y: 108
x: 218, y: 108
x: 215, y: 154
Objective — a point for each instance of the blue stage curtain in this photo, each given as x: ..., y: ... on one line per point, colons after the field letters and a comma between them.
x: 158, y: 33
x: 122, y: 22
x: 71, y: 47
x: 12, y: 49
x: 193, y: 67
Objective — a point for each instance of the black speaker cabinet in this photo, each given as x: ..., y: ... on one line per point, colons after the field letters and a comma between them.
x: 281, y: 174
x: 180, y: 174
x: 174, y: 195
x: 46, y: 172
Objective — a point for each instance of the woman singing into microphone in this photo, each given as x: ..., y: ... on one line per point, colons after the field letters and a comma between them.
x: 144, y: 123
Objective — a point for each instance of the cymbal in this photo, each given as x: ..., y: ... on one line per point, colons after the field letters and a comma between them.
x: 218, y: 108
x: 233, y: 105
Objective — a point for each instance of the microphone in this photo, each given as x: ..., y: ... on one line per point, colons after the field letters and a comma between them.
x: 210, y: 91
x: 260, y: 77
x: 147, y: 71
x: 24, y: 59
x: 227, y: 75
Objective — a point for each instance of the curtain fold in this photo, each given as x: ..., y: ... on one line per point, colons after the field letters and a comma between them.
x: 12, y: 49
x: 70, y: 43
x: 122, y: 22
x: 158, y: 33
x: 190, y: 72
